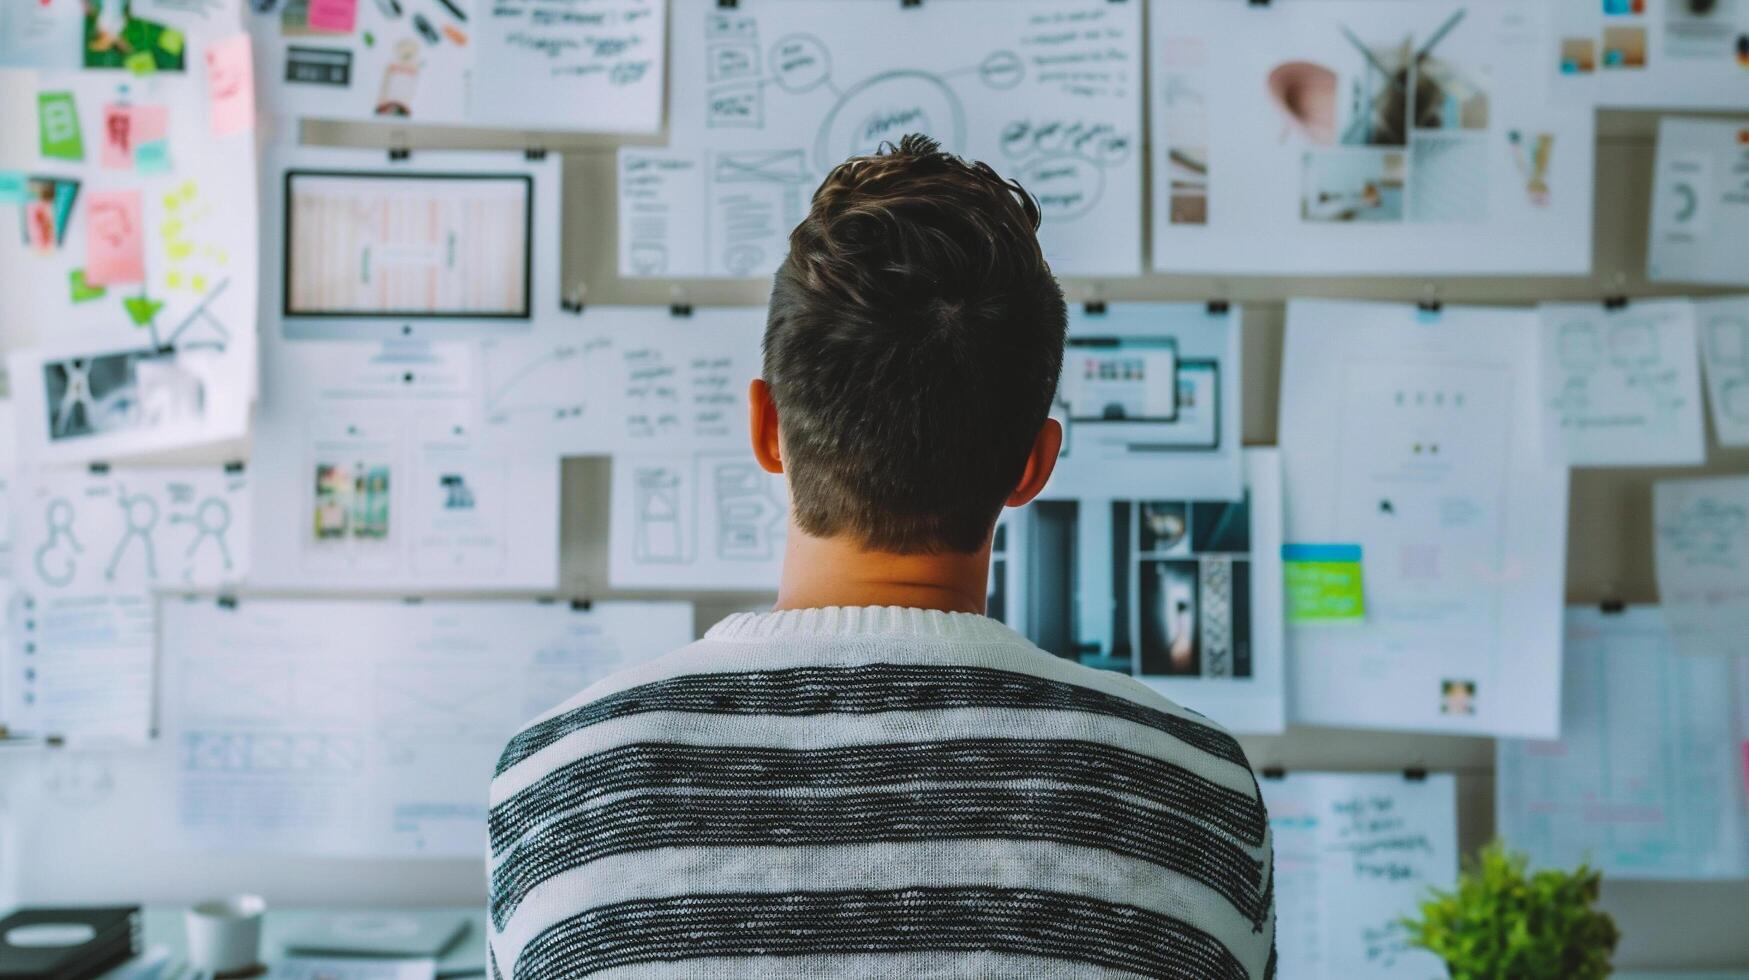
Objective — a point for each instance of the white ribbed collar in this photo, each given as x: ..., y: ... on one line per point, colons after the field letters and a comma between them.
x: 851, y: 621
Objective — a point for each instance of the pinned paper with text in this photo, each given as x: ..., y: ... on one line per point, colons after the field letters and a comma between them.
x: 1353, y: 855
x: 1700, y: 548
x: 1645, y: 780
x: 697, y: 521
x: 1700, y: 201
x: 371, y: 728
x: 1427, y: 526
x: 1724, y: 357
x: 1621, y: 384
x: 770, y: 95
x: 1669, y: 54
x: 93, y: 548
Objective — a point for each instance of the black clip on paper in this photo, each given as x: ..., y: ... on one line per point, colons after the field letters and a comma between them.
x: 98, y: 468
x: 1273, y: 772
x: 226, y: 602
x: 1613, y: 303
x: 728, y: 4
x: 582, y: 605
x: 1429, y: 306
x: 233, y: 467
x: 572, y: 304
x: 1217, y: 307
x: 1415, y: 774
x: 1093, y: 307
x: 1258, y: 3
x: 908, y: 4
x: 680, y: 309
x: 1612, y: 607
x: 399, y: 153
x: 412, y: 600
x: 535, y: 154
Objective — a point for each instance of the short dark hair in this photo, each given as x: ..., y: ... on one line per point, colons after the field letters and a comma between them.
x: 912, y: 349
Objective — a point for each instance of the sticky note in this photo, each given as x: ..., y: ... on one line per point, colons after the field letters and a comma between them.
x: 58, y: 126
x: 339, y: 16
x: 12, y: 188
x: 140, y: 309
x: 170, y: 41
x: 80, y: 290
x: 115, y: 251
x: 230, y: 75
x: 141, y: 63
x: 152, y: 158
x: 1323, y: 583
x: 118, y: 141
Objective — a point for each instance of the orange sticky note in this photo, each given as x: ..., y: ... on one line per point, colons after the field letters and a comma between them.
x: 230, y: 82
x: 115, y: 243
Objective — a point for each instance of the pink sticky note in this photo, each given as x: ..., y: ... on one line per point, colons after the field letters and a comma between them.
x: 115, y: 249
x: 230, y: 80
x: 118, y: 138
x: 333, y: 15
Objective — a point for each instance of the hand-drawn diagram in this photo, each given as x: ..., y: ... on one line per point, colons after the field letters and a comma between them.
x: 624, y: 380
x: 705, y: 521
x: 1724, y: 325
x: 133, y: 529
x: 786, y: 90
x: 1622, y: 386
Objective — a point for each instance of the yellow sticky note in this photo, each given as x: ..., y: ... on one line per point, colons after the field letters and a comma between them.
x: 170, y: 39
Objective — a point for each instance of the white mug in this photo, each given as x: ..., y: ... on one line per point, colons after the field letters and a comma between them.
x: 224, y: 935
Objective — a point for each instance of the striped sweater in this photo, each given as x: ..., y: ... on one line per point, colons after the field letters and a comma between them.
x: 875, y: 792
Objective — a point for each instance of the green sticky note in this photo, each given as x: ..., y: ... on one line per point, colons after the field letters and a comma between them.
x: 13, y: 189
x: 141, y: 63
x: 57, y: 117
x: 81, y: 290
x: 141, y: 310
x: 170, y: 39
x: 1323, y: 583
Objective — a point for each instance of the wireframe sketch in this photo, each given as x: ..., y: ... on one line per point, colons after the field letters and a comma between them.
x: 211, y: 520
x: 56, y: 558
x: 661, y: 510
x: 749, y: 516
x: 140, y: 519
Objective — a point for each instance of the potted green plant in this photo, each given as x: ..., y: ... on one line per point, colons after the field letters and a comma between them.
x: 1504, y: 922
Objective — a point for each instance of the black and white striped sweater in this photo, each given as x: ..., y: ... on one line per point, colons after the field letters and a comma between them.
x: 876, y: 792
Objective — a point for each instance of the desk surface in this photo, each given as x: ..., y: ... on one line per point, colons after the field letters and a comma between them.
x: 163, y: 926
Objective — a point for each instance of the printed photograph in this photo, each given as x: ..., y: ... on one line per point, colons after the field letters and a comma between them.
x: 119, y: 392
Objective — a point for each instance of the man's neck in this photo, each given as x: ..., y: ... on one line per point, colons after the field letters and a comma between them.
x: 819, y: 572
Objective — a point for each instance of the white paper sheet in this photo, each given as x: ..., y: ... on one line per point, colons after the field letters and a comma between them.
x: 371, y: 474
x: 353, y: 968
x: 1150, y: 404
x: 1621, y: 387
x: 622, y: 379
x: 1353, y: 854
x: 1644, y: 781
x: 1283, y: 143
x: 1414, y: 438
x: 1670, y: 54
x: 371, y: 728
x: 1700, y: 548
x: 163, y: 355
x: 772, y: 94
x: 1724, y: 357
x: 696, y: 521
x: 1699, y: 231
x: 1183, y: 593
x: 556, y: 64
x: 92, y: 548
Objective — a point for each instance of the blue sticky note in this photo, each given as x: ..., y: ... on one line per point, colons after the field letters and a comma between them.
x: 153, y: 157
x: 12, y: 188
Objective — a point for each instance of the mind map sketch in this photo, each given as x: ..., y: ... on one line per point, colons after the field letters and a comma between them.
x: 781, y: 91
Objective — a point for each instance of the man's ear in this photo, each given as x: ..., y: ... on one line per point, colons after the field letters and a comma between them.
x: 762, y: 423
x: 1039, y: 464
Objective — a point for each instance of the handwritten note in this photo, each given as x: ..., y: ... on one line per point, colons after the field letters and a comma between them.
x: 1724, y: 353
x: 1621, y: 387
x: 115, y: 253
x: 1643, y: 782
x: 602, y: 55
x: 1353, y: 854
x: 1701, y: 553
x: 58, y: 126
x: 230, y: 75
